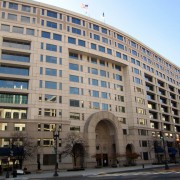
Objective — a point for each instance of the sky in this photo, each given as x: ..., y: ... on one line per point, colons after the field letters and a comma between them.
x: 155, y: 23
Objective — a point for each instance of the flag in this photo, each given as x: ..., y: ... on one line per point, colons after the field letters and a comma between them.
x: 84, y: 6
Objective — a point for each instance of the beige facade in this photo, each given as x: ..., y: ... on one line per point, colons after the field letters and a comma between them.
x: 61, y: 69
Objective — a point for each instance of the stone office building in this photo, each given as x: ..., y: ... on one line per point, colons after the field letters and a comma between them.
x: 63, y: 70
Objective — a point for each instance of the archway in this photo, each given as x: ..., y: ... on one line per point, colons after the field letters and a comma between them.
x: 104, y: 134
x: 105, y: 143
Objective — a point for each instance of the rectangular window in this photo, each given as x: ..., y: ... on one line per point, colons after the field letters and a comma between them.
x: 50, y: 98
x: 57, y: 37
x: 51, y: 24
x: 51, y: 72
x: 5, y: 27
x: 51, y: 47
x: 104, y: 40
x: 104, y: 95
x: 30, y: 32
x: 50, y: 85
x: 95, y: 105
x: 125, y: 57
x: 95, y: 93
x: 51, y: 59
x: 12, y: 17
x: 74, y: 66
x: 119, y: 37
x: 104, y: 107
x: 134, y: 52
x: 118, y: 54
x: 71, y: 40
x: 25, y: 19
x: 74, y: 90
x: 50, y: 112
x: 93, y: 46
x: 81, y: 43
x: 102, y: 49
x: 51, y: 14
x: 104, y: 84
x: 109, y: 51
x: 104, y: 30
x: 74, y: 103
x: 45, y: 34
x: 73, y: 78
x: 94, y: 82
x: 96, y: 37
x: 13, y: 6
x: 94, y: 71
x: 76, y: 21
x: 76, y: 31
x: 26, y: 8
x: 120, y: 46
x: 95, y: 27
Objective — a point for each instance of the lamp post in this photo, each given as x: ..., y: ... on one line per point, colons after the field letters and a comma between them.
x: 165, y: 163
x: 7, y: 172
x: 56, y: 137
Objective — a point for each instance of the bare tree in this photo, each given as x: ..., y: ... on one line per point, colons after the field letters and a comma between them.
x: 74, y: 145
x: 23, y: 147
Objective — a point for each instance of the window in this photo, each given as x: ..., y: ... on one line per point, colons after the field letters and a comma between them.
x: 30, y: 32
x: 104, y: 84
x: 74, y: 90
x: 118, y: 54
x: 134, y: 52
x: 76, y: 31
x: 95, y: 93
x: 5, y: 27
x: 94, y: 82
x: 45, y: 34
x: 137, y: 80
x: 95, y: 27
x: 109, y: 51
x: 74, y: 78
x: 93, y: 46
x: 120, y: 46
x: 104, y: 95
x: 14, y: 70
x: 75, y: 128
x: 50, y: 85
x: 74, y: 66
x: 104, y: 106
x: 76, y: 21
x: 103, y: 73
x: 57, y: 37
x: 51, y: 24
x: 96, y: 37
x: 4, y: 3
x: 51, y: 14
x: 26, y: 8
x: 74, y: 103
x: 74, y: 115
x: 73, y: 55
x: 50, y: 98
x: 71, y: 40
x: 125, y: 57
x: 13, y: 6
x: 50, y: 112
x: 104, y: 30
x: 95, y: 105
x: 51, y: 47
x: 51, y: 72
x: 12, y: 17
x: 81, y: 43
x: 102, y: 49
x: 94, y: 71
x: 119, y: 37
x: 51, y: 59
x: 104, y: 40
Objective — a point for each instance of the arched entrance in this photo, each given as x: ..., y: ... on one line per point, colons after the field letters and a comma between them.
x: 105, y: 143
x: 105, y: 138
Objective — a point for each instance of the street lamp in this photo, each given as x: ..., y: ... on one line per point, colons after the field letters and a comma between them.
x: 162, y: 138
x: 56, y: 137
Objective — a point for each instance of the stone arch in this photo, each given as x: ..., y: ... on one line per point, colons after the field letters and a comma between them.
x: 108, y: 120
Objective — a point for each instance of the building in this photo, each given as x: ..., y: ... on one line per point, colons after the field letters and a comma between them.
x: 63, y: 70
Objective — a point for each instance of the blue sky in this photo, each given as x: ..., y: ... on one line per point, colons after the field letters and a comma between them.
x: 156, y: 23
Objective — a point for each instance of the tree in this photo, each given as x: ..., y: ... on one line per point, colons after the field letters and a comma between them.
x: 131, y: 157
x: 75, y: 145
x: 22, y: 147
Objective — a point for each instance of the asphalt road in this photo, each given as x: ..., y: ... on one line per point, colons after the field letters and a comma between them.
x: 126, y: 176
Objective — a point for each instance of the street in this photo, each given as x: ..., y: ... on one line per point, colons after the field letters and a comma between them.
x: 149, y: 175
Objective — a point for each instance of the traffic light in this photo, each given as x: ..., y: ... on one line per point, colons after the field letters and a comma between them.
x: 161, y: 135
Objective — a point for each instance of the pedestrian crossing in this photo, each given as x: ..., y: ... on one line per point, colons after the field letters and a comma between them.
x: 138, y: 173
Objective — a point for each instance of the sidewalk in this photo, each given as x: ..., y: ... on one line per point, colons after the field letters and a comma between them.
x: 86, y: 172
